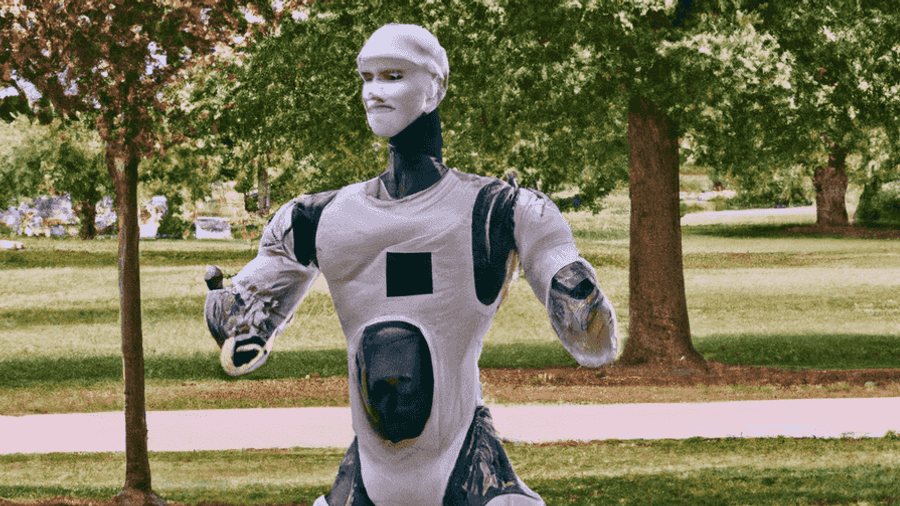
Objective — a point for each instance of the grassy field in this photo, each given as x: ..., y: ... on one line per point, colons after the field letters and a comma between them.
x: 755, y: 296
x: 697, y: 471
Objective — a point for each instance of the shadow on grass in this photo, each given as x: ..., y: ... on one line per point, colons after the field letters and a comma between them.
x: 28, y: 259
x: 747, y: 231
x: 803, y: 351
x: 36, y: 493
x: 198, y: 366
x: 281, y: 364
x: 731, y: 485
x: 80, y: 313
x: 815, y: 351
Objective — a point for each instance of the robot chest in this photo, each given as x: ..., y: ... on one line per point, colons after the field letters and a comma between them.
x: 399, y: 252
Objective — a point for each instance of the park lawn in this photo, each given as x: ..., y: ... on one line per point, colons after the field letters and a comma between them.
x: 696, y: 471
x: 755, y: 296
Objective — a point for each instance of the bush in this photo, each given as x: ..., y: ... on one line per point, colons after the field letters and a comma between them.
x: 173, y: 226
x: 879, y: 206
x: 769, y: 194
x: 689, y: 208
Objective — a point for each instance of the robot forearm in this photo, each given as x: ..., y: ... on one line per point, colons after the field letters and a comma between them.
x: 583, y: 318
x: 245, y: 318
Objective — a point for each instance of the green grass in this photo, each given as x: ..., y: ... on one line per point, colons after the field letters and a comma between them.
x: 775, y: 299
x: 88, y: 370
x: 50, y: 253
x: 768, y: 471
x: 755, y: 296
x: 799, y: 351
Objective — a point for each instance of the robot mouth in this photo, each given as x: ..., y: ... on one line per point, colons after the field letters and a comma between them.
x: 379, y: 109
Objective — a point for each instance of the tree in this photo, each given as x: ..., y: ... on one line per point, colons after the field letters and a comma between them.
x: 659, y: 330
x: 93, y: 56
x: 685, y: 67
x: 541, y: 87
x: 845, y: 85
x: 293, y: 100
x: 80, y: 171
x: 60, y: 157
x: 28, y: 148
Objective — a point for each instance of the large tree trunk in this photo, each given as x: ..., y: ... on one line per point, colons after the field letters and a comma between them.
x: 659, y: 331
x: 831, y: 190
x: 137, y: 490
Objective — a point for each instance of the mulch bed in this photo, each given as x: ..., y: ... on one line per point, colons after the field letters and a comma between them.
x: 718, y: 374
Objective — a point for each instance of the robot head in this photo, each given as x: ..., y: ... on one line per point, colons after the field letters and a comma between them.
x: 404, y: 71
x: 395, y: 379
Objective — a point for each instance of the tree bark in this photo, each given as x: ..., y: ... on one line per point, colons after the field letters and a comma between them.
x: 659, y: 330
x: 122, y: 165
x: 88, y: 213
x: 831, y: 190
x: 262, y: 175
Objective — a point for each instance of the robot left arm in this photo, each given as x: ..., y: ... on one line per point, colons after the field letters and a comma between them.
x: 245, y: 318
x: 582, y: 317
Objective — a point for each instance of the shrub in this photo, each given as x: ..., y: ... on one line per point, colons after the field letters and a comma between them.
x: 879, y: 206
x: 173, y: 226
x: 684, y: 208
x: 761, y: 188
x: 772, y: 193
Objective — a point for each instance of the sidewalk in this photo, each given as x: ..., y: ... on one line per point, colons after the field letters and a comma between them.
x: 229, y: 429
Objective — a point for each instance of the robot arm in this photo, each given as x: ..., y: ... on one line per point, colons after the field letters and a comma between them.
x: 583, y: 318
x: 245, y: 318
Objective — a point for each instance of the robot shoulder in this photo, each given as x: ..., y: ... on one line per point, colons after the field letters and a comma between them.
x: 493, y: 237
x: 305, y: 215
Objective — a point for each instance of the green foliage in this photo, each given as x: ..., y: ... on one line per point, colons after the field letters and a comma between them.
x: 293, y: 100
x: 784, y: 188
x: 540, y: 89
x: 60, y: 157
x: 879, y: 205
x: 27, y: 150
x: 684, y: 208
x: 843, y: 85
x: 172, y: 226
x: 11, y: 107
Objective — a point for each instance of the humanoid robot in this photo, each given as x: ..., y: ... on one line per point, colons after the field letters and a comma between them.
x: 417, y: 260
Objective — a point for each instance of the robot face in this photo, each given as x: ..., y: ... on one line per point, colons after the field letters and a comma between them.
x: 396, y: 379
x: 395, y: 93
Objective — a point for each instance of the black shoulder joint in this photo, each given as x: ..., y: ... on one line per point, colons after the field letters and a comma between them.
x: 492, y: 237
x: 305, y: 221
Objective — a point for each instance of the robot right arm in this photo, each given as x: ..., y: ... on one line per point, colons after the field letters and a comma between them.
x: 245, y: 318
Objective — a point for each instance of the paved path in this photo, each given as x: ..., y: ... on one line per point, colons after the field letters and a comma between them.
x: 330, y: 427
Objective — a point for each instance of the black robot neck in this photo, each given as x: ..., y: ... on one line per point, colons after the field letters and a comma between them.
x: 416, y: 162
